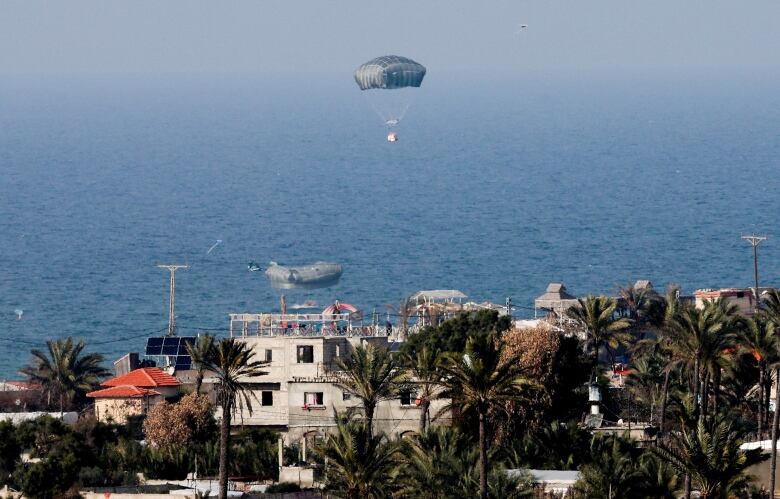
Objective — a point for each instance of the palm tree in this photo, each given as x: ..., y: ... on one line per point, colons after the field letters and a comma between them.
x: 199, y: 353
x: 436, y: 464
x: 441, y: 463
x: 643, y: 306
x: 772, y: 311
x: 64, y: 372
x: 405, y: 311
x: 671, y: 308
x: 596, y: 314
x: 659, y: 479
x: 478, y: 379
x: 614, y: 471
x: 232, y: 363
x: 645, y: 381
x: 370, y: 375
x: 760, y: 340
x: 424, y: 368
x: 709, y: 453
x: 359, y: 464
x: 558, y: 446
x: 698, y: 339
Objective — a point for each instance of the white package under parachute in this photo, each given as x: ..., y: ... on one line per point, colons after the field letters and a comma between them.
x: 388, y: 83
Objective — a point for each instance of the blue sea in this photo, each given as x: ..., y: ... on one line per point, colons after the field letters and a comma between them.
x: 499, y: 184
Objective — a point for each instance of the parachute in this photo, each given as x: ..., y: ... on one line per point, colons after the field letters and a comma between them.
x: 390, y: 72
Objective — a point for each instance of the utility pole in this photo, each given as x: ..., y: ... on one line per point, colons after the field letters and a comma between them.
x: 172, y: 298
x: 754, y: 242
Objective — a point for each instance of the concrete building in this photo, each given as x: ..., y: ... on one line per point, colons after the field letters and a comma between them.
x: 299, y: 394
x: 741, y: 297
x: 132, y: 394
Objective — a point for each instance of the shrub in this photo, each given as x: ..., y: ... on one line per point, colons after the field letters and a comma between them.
x: 283, y: 487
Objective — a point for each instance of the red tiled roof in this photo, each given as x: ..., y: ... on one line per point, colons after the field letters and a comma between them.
x: 147, y: 377
x: 122, y: 392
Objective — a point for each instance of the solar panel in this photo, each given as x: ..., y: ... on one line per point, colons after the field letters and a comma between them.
x: 183, y: 362
x: 172, y: 347
x: 154, y: 346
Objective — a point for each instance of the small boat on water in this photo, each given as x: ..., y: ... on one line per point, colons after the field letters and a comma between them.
x: 316, y: 275
x: 253, y: 267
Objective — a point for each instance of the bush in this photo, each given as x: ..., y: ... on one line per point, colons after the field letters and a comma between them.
x: 189, y: 420
x: 9, y: 451
x: 283, y: 487
x: 172, y: 463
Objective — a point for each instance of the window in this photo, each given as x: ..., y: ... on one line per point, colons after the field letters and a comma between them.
x: 305, y: 354
x: 267, y: 398
x: 269, y: 355
x: 346, y: 396
x: 312, y: 398
x: 408, y: 398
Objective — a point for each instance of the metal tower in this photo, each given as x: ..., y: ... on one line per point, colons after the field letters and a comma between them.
x: 172, y: 315
x: 754, y: 242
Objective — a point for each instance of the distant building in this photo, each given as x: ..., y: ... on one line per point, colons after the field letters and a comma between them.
x: 741, y: 297
x: 555, y: 300
x: 132, y: 394
x: 299, y: 394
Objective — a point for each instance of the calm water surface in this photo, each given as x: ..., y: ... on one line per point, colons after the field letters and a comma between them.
x: 497, y: 187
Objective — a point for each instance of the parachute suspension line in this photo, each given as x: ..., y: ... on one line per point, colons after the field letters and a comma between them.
x: 401, y: 114
x: 382, y: 116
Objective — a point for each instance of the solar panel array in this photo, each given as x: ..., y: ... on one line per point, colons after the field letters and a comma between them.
x: 173, y: 347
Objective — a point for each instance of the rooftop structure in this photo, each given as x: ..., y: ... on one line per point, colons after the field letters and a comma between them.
x: 555, y: 300
x: 741, y: 297
x: 328, y: 323
x: 133, y: 394
x: 438, y: 295
x: 147, y: 377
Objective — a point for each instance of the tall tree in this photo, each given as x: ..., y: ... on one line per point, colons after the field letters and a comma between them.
x: 371, y: 375
x: 643, y: 306
x: 233, y: 364
x: 761, y: 341
x: 64, y: 372
x: 426, y: 375
x: 480, y: 379
x: 698, y: 338
x: 772, y: 311
x: 709, y: 453
x: 199, y: 353
x: 613, y: 472
x: 596, y: 314
x: 442, y: 463
x: 359, y: 464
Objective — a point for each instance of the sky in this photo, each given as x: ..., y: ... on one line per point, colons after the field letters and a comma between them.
x: 262, y: 37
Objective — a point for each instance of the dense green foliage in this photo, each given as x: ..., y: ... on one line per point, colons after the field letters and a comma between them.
x: 93, y: 454
x: 697, y: 380
x: 451, y: 336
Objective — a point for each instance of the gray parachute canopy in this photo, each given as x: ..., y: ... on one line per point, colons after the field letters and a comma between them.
x: 388, y: 72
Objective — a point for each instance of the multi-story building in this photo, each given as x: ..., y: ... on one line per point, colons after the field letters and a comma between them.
x: 300, y: 394
x: 743, y: 298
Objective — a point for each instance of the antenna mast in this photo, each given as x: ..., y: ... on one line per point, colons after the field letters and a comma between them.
x: 754, y: 242
x: 172, y: 298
